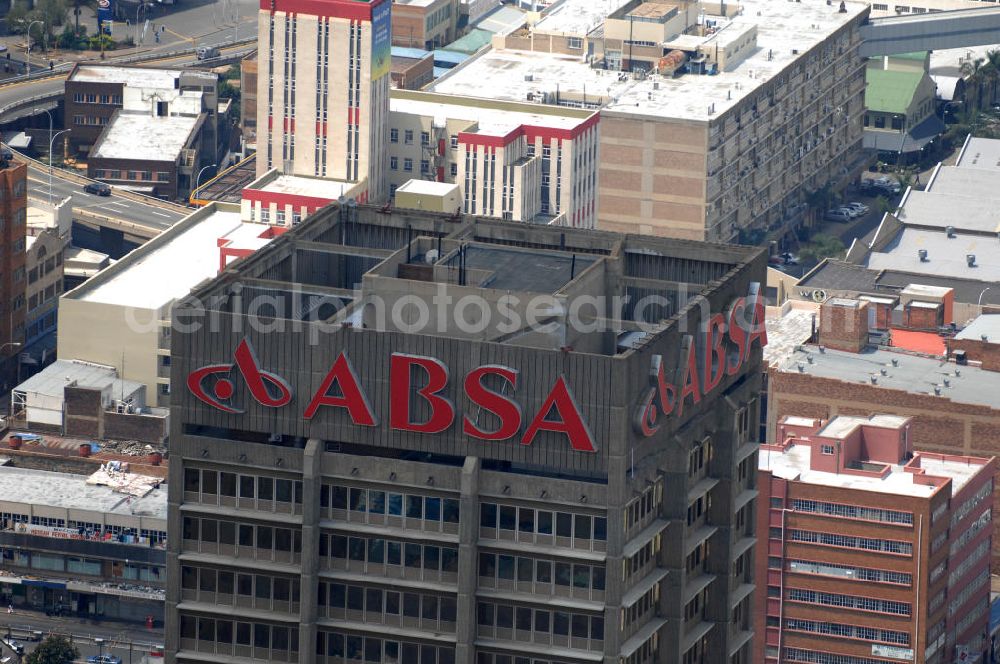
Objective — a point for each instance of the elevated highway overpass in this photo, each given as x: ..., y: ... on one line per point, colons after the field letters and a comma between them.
x: 930, y: 32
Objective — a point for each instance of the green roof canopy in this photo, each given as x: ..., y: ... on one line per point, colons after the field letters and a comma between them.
x: 891, y: 91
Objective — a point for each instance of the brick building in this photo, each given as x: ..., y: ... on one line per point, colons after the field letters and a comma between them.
x: 870, y: 551
x: 248, y: 99
x: 412, y: 68
x: 954, y: 408
x: 94, y: 92
x: 978, y: 343
x: 414, y: 538
x: 13, y: 243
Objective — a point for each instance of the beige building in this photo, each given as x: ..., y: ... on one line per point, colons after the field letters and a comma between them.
x: 429, y: 196
x: 749, y: 108
x: 120, y: 317
x: 317, y: 70
x: 424, y: 23
x: 512, y: 160
x: 48, y: 237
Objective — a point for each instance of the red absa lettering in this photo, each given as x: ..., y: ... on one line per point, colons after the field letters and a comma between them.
x: 352, y: 397
x: 258, y: 380
x: 715, y: 355
x: 401, y: 387
x: 570, y: 423
x: 507, y: 411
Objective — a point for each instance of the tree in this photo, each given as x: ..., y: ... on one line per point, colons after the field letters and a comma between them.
x: 51, y: 13
x: 882, y: 205
x: 53, y: 650
x: 993, y: 64
x: 822, y: 246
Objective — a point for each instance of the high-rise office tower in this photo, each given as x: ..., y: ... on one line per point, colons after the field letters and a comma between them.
x: 323, y: 89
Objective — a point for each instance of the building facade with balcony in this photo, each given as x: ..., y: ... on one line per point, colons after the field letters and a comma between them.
x: 871, y: 551
x: 332, y: 510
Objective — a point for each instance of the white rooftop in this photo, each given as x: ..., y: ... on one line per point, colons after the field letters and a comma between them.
x: 135, y: 76
x: 315, y: 187
x: 66, y: 491
x: 50, y: 381
x: 787, y: 327
x: 166, y: 268
x: 427, y: 187
x: 794, y: 463
x: 946, y: 256
x: 986, y: 324
x: 981, y: 153
x: 492, y: 121
x: 785, y: 31
x: 140, y: 136
x: 577, y: 17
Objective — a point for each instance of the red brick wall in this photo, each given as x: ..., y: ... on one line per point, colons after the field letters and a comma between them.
x: 987, y: 352
x: 921, y: 318
x: 844, y: 328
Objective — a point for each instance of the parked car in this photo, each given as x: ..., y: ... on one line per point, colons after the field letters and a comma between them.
x: 104, y: 659
x: 861, y: 207
x: 97, y: 188
x: 839, y: 215
x: 15, y: 646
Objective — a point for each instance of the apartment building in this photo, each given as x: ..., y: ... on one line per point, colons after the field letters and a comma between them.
x: 321, y: 63
x: 425, y: 24
x: 874, y: 552
x: 514, y: 161
x: 248, y: 98
x: 714, y: 125
x: 593, y: 509
x: 13, y: 244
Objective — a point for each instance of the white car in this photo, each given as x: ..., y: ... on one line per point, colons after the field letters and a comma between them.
x: 850, y: 211
x: 843, y: 216
x: 860, y: 207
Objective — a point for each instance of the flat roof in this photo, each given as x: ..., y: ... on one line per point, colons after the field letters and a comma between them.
x: 794, y: 464
x: 521, y: 270
x: 937, y: 209
x: 166, y: 268
x: 51, y: 380
x: 67, y: 491
x: 577, y: 17
x: 911, y: 373
x: 963, y: 182
x: 842, y: 425
x: 946, y: 256
x: 493, y: 119
x: 427, y: 187
x: 986, y: 324
x: 785, y: 32
x: 296, y: 185
x: 787, y: 327
x: 146, y: 77
x: 502, y: 19
x: 144, y: 137
x: 982, y: 153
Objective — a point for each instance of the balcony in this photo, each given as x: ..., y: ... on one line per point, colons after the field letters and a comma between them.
x: 139, y: 553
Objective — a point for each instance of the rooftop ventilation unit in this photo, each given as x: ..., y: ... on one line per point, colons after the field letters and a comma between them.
x: 874, y: 379
x: 950, y: 230
x: 922, y: 253
x: 970, y: 260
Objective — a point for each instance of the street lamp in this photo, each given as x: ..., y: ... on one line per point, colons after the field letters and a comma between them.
x: 27, y: 53
x: 51, y: 139
x: 48, y: 113
x: 980, y: 302
x: 198, y: 177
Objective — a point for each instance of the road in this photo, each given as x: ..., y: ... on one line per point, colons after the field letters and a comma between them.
x: 11, y: 93
x: 110, y: 206
x: 116, y: 635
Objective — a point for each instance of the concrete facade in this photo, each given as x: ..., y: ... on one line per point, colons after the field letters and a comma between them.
x: 437, y: 547
x: 514, y: 161
x: 426, y: 24
x: 320, y: 63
